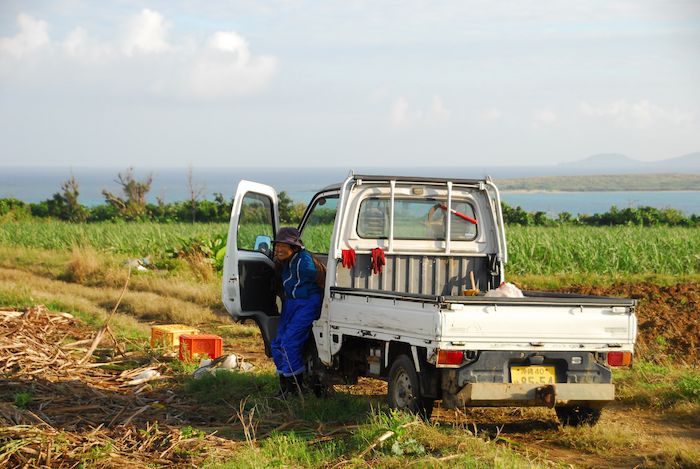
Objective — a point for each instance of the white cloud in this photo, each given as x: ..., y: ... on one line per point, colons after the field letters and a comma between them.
x: 33, y: 34
x: 439, y: 111
x: 231, y: 42
x: 544, y: 117
x: 378, y: 94
x: 641, y: 114
x: 492, y: 114
x: 144, y: 57
x: 224, y: 69
x: 400, y: 114
x: 79, y: 46
x: 403, y: 115
x: 147, y: 32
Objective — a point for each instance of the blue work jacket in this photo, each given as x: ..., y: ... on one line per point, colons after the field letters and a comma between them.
x: 299, y: 276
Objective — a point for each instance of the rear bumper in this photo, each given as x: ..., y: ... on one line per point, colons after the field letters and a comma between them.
x: 512, y: 394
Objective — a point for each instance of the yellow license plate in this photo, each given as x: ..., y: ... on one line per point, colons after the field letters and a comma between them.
x: 533, y: 374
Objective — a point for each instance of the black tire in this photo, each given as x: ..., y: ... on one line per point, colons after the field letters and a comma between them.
x: 404, y: 389
x: 577, y: 416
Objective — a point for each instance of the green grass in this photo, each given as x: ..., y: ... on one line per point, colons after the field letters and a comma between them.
x: 567, y: 250
x: 362, y: 421
x: 16, y: 296
x: 412, y: 442
x: 23, y: 399
x: 603, y: 250
x: 661, y: 386
x: 135, y: 239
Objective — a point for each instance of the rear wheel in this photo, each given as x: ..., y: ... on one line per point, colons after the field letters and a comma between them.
x: 404, y: 389
x: 578, y: 415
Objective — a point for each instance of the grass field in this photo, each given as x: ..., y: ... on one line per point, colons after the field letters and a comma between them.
x: 532, y: 250
x: 603, y: 250
x: 134, y: 239
x: 79, y: 269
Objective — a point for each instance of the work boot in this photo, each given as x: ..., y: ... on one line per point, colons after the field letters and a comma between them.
x: 297, y: 384
x: 284, y: 388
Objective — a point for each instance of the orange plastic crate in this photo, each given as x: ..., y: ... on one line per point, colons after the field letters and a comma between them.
x: 192, y: 345
x: 168, y: 335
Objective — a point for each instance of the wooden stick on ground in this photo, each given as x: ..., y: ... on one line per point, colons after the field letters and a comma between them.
x: 103, y: 329
x: 383, y: 437
x: 114, y: 339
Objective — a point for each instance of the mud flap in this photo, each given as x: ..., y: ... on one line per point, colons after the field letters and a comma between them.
x: 547, y: 395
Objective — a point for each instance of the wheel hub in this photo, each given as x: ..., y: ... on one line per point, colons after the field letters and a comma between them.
x: 403, y: 394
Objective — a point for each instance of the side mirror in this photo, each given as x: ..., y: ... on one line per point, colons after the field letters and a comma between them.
x: 262, y: 244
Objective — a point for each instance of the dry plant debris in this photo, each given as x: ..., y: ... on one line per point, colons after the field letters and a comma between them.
x: 81, y: 412
x: 37, y: 446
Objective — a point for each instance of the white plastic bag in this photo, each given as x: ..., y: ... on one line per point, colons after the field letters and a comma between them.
x: 505, y: 290
x: 230, y: 362
x: 144, y: 376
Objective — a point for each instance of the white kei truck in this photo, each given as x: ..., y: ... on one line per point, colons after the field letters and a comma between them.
x: 422, y: 322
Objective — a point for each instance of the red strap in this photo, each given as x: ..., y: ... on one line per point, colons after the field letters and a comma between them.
x: 460, y: 215
x: 378, y: 260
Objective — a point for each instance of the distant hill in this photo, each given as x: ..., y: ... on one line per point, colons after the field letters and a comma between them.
x: 691, y: 160
x: 604, y: 159
x: 617, y: 182
x: 616, y: 163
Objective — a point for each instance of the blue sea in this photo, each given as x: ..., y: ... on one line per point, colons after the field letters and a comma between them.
x: 170, y: 184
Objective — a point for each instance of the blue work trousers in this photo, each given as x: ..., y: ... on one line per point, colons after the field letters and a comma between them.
x: 293, y: 331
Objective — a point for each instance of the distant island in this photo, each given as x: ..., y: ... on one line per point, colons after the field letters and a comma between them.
x: 604, y: 183
x: 603, y: 163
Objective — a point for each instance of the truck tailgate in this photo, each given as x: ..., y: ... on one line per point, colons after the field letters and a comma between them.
x: 542, y: 323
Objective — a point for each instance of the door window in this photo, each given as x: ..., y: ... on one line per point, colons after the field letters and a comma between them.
x: 318, y: 229
x: 255, y: 220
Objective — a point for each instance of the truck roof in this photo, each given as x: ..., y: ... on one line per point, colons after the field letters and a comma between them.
x: 413, y: 179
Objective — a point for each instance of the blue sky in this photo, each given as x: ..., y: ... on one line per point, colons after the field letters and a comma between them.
x: 346, y: 83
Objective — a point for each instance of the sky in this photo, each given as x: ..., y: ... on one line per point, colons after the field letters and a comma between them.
x: 346, y: 83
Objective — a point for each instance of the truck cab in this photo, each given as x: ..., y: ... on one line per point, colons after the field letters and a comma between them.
x: 423, y: 321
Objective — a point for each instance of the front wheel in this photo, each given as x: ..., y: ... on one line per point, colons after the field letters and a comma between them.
x: 577, y: 415
x: 404, y: 389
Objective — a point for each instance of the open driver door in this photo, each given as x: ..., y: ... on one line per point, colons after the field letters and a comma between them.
x: 248, y: 284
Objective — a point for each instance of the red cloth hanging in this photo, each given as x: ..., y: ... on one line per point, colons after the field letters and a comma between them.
x: 378, y: 260
x: 349, y: 258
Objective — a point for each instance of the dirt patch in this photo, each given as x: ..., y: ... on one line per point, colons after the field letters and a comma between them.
x: 624, y: 437
x: 668, y: 318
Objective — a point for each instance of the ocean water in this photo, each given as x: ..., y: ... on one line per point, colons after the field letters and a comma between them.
x: 170, y: 184
x: 553, y: 203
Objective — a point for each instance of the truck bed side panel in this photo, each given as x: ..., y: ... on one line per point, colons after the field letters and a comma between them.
x: 499, y: 326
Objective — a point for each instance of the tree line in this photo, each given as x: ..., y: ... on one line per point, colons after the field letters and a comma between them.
x: 131, y: 205
x: 639, y: 216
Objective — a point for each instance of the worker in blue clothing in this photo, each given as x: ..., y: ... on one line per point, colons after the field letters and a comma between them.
x: 301, y: 306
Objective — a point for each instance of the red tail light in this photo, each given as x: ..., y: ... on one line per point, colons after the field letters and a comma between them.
x: 450, y: 357
x: 619, y: 358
